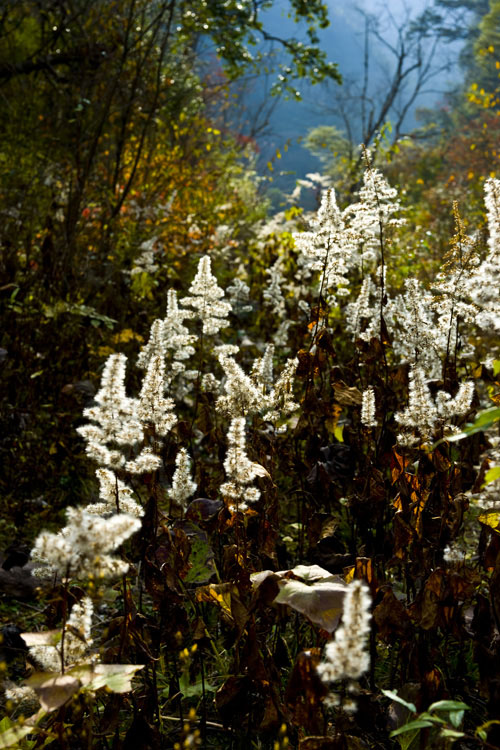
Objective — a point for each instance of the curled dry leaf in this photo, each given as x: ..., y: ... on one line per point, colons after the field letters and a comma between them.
x: 310, y: 590
x: 53, y: 690
x: 45, y: 638
x: 320, y: 602
x: 116, y: 677
x: 259, y: 470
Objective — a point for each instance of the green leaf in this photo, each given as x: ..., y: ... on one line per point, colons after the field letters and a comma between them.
x: 194, y: 690
x: 339, y: 433
x: 201, y: 559
x: 11, y: 733
x: 407, y: 740
x: 452, y: 733
x: 483, y: 421
x: 496, y: 366
x: 395, y: 697
x: 417, y: 724
x: 447, y: 705
x: 456, y: 718
x: 491, y: 475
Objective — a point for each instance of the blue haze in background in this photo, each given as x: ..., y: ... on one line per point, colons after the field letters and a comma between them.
x: 343, y: 41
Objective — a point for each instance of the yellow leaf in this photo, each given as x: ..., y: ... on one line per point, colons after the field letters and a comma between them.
x: 349, y: 576
x: 490, y: 519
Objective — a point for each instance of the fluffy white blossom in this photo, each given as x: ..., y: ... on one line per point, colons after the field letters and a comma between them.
x: 281, y: 398
x: 347, y: 657
x: 280, y: 338
x: 273, y: 294
x: 370, y: 216
x: 327, y: 247
x: 363, y: 315
x: 210, y: 383
x: 485, y: 282
x: 247, y: 395
x: 145, y: 262
x: 425, y: 414
x: 153, y: 407
x: 238, y: 293
x: 155, y: 345
x: 182, y: 484
x: 410, y: 318
x: 81, y: 549
x: 368, y: 408
x: 115, y: 496
x: 240, y: 471
x: 176, y: 336
x: 262, y: 370
x: 77, y: 640
x: 206, y: 299
x: 144, y: 463
x: 116, y: 422
x: 242, y: 396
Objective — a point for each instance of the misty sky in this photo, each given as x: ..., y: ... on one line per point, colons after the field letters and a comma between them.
x: 343, y: 41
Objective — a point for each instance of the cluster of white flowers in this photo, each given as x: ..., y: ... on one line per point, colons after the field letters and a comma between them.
x: 182, y: 484
x: 155, y: 345
x: 176, y: 335
x: 153, y: 408
x: 346, y: 657
x: 341, y: 242
x: 116, y: 423
x: 115, y: 496
x: 280, y: 398
x: 425, y: 414
x: 206, y: 299
x: 368, y: 408
x: 370, y: 216
x: 77, y: 641
x: 145, y: 262
x: 244, y: 395
x: 327, y: 247
x: 240, y: 471
x: 485, y: 282
x: 410, y: 320
x: 238, y: 293
x: 363, y: 315
x: 144, y: 463
x: 81, y: 549
x: 262, y: 369
x: 487, y: 499
x: 272, y: 293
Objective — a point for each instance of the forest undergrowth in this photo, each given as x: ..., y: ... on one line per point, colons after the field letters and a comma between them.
x: 293, y: 535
